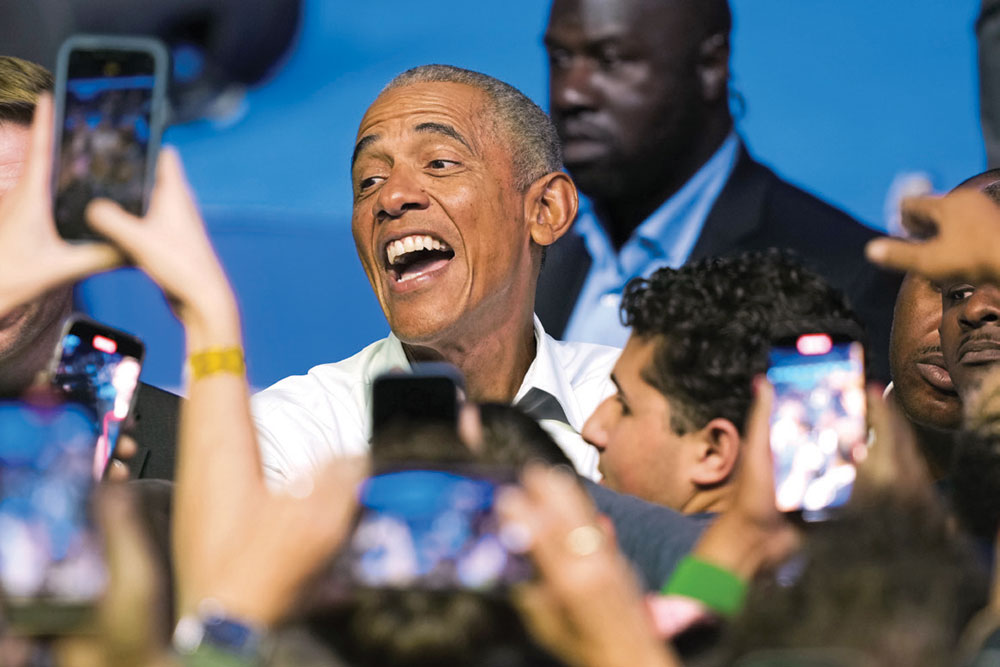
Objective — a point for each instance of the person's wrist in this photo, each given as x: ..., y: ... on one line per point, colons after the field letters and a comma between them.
x: 719, y: 589
x: 735, y: 545
x: 213, y: 320
x: 213, y: 628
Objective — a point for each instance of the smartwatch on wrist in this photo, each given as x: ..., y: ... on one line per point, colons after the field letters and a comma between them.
x: 211, y: 630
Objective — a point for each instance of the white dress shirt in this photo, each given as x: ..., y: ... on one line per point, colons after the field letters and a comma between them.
x: 306, y: 420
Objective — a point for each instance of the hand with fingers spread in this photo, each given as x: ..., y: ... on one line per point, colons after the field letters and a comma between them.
x: 960, y: 236
x: 587, y: 607
x: 33, y: 258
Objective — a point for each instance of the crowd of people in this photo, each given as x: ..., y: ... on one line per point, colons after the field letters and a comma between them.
x: 607, y: 496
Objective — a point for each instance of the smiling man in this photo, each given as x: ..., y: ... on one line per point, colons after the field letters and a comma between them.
x: 457, y: 189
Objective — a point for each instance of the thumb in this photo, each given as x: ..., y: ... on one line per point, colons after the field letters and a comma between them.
x: 895, y: 254
x: 117, y: 224
x: 757, y: 462
x: 38, y: 166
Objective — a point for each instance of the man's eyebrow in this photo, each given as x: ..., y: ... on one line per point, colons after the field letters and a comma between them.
x: 362, y: 144
x: 442, y: 128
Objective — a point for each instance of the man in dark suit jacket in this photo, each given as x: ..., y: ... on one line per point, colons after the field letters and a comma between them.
x: 639, y: 95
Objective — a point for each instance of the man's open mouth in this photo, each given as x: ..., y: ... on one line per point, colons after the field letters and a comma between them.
x: 416, y: 255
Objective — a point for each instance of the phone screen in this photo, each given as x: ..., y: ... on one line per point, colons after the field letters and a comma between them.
x: 49, y: 551
x: 428, y: 395
x: 105, y: 133
x: 432, y: 529
x: 99, y: 367
x: 818, y: 426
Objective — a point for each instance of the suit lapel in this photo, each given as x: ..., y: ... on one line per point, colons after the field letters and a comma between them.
x: 737, y: 212
x: 566, y: 265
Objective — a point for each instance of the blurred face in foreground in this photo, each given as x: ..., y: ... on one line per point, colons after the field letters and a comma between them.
x: 28, y: 334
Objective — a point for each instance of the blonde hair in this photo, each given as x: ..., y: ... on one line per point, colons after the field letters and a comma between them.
x: 21, y: 82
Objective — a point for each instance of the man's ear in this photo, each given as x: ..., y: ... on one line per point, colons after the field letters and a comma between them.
x: 713, y: 67
x: 550, y: 207
x: 718, y: 451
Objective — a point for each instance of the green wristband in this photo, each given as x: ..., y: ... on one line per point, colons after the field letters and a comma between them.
x: 720, y: 590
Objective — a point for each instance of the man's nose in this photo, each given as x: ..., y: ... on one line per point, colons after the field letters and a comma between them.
x: 572, y: 85
x: 595, y: 429
x: 983, y: 306
x: 401, y: 192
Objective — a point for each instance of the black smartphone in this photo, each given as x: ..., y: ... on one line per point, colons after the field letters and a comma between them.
x: 430, y: 394
x: 110, y: 99
x: 435, y: 528
x: 52, y: 567
x: 818, y: 424
x: 99, y: 366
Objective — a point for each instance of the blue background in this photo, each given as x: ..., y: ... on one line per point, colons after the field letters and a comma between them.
x: 840, y: 98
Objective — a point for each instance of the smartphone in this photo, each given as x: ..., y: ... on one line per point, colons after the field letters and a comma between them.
x: 818, y: 423
x: 98, y: 367
x: 433, y: 528
x: 110, y: 99
x: 51, y: 560
x: 430, y: 394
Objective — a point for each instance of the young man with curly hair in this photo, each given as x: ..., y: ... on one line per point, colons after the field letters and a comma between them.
x: 671, y: 432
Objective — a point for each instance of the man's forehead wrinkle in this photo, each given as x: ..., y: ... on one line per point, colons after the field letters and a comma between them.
x: 443, y: 128
x: 438, y: 105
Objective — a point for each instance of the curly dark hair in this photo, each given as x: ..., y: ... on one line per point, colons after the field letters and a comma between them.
x: 713, y: 322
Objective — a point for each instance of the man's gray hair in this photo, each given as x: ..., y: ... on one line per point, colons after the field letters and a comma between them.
x: 533, y: 142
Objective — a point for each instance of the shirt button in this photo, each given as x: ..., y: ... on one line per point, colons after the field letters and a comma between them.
x: 610, y: 300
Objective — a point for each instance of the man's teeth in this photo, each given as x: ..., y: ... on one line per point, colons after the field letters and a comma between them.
x: 412, y: 244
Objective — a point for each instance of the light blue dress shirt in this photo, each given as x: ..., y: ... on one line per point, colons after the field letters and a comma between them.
x: 665, y: 238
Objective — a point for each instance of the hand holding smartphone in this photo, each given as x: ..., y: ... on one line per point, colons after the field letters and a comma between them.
x: 818, y: 422
x: 110, y: 100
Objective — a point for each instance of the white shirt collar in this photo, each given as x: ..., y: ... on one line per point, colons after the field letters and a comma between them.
x: 545, y: 372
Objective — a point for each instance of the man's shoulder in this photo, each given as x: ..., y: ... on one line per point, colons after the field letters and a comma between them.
x: 154, y: 428
x: 304, y: 420
x: 788, y: 208
x: 320, y: 382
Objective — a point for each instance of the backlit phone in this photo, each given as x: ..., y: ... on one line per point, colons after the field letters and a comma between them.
x: 99, y: 366
x: 110, y: 112
x: 51, y: 559
x: 429, y: 394
x: 433, y: 528
x: 818, y: 422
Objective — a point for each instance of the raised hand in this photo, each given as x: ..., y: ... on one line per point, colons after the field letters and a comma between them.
x: 957, y: 235
x: 33, y: 258
x: 169, y: 243
x: 586, y: 608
